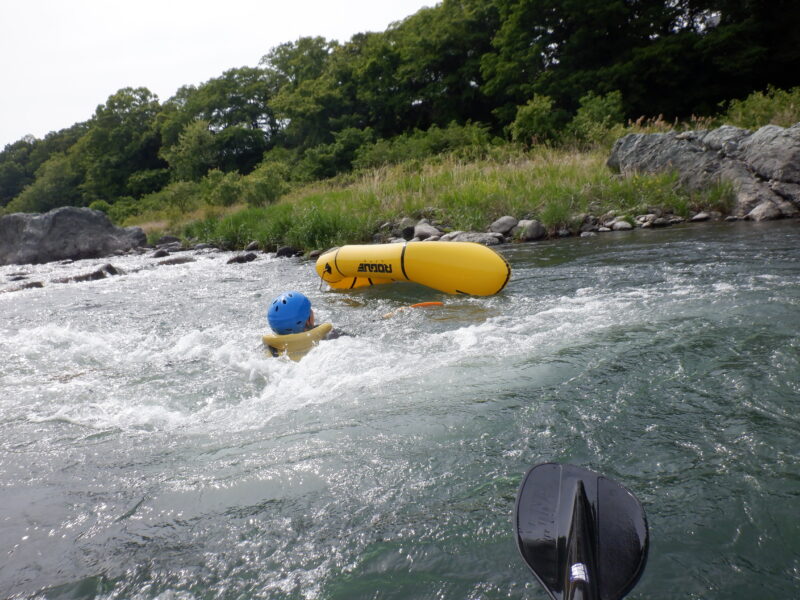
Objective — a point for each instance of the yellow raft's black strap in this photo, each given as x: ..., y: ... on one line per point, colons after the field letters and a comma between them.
x: 403, y: 262
x: 336, y: 264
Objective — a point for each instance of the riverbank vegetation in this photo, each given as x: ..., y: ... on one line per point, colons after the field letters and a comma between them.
x: 462, y: 112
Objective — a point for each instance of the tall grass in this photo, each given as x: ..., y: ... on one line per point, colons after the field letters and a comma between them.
x: 548, y: 184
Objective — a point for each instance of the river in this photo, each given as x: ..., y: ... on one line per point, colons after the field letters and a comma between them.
x: 149, y: 449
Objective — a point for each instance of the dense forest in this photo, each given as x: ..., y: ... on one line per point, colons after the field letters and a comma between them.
x: 518, y: 70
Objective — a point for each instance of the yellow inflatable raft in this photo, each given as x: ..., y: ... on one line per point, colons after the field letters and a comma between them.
x: 450, y: 267
x: 296, y: 345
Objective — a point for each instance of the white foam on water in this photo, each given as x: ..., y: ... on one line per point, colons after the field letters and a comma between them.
x: 157, y: 370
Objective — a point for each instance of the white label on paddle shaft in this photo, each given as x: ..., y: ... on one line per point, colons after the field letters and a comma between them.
x: 577, y: 572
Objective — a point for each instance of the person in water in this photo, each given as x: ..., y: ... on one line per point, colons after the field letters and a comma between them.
x: 288, y: 315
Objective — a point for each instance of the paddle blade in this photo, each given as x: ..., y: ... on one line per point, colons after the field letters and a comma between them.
x: 583, y: 535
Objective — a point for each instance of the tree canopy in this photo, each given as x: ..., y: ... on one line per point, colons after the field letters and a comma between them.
x: 521, y: 69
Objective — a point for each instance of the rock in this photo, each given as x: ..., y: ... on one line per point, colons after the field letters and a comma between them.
x: 608, y: 219
x: 160, y: 253
x: 177, y: 260
x: 405, y: 228
x: 101, y: 273
x: 564, y: 232
x: 252, y: 246
x: 25, y: 286
x: 726, y: 139
x: 774, y: 153
x: 701, y: 216
x: 787, y: 191
x: 315, y: 254
x: 64, y: 233
x: 588, y: 234
x: 203, y: 246
x: 588, y: 223
x: 764, y: 212
x: 621, y: 225
x: 171, y: 247
x: 287, y: 252
x: 787, y: 208
x: 487, y: 239
x: 167, y: 239
x: 503, y: 225
x: 762, y: 166
x: 424, y: 230
x: 648, y: 218
x: 529, y: 230
x: 433, y: 238
x: 242, y: 258
x: 603, y: 229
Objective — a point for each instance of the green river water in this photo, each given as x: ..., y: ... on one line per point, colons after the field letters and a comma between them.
x: 149, y: 449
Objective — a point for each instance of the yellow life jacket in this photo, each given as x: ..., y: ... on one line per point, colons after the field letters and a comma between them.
x: 296, y: 345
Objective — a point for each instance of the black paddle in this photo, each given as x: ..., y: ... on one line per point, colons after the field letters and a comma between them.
x: 583, y: 535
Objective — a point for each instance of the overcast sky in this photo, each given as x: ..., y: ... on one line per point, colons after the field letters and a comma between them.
x: 60, y: 59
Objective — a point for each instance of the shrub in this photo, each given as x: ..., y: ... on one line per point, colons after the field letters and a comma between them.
x: 147, y: 181
x: 536, y: 122
x: 327, y: 160
x: 221, y: 189
x: 597, y: 118
x: 472, y: 140
x: 266, y: 184
x: 123, y: 209
x: 773, y: 107
x: 100, y: 205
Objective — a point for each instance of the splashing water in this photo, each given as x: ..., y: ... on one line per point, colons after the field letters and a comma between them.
x: 150, y: 449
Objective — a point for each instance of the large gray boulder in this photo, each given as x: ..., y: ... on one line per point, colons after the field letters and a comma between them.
x: 64, y: 233
x: 762, y: 166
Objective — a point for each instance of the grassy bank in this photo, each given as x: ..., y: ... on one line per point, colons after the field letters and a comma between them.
x: 551, y: 185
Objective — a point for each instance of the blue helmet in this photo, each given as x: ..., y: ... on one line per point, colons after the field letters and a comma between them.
x: 288, y: 313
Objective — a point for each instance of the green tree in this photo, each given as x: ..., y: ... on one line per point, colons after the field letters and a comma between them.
x: 57, y: 184
x: 440, y: 62
x: 308, y: 96
x: 193, y: 154
x: 20, y: 161
x: 292, y: 63
x: 122, y: 139
x: 235, y: 108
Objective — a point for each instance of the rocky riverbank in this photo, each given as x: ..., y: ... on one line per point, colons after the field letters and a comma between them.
x: 762, y: 168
